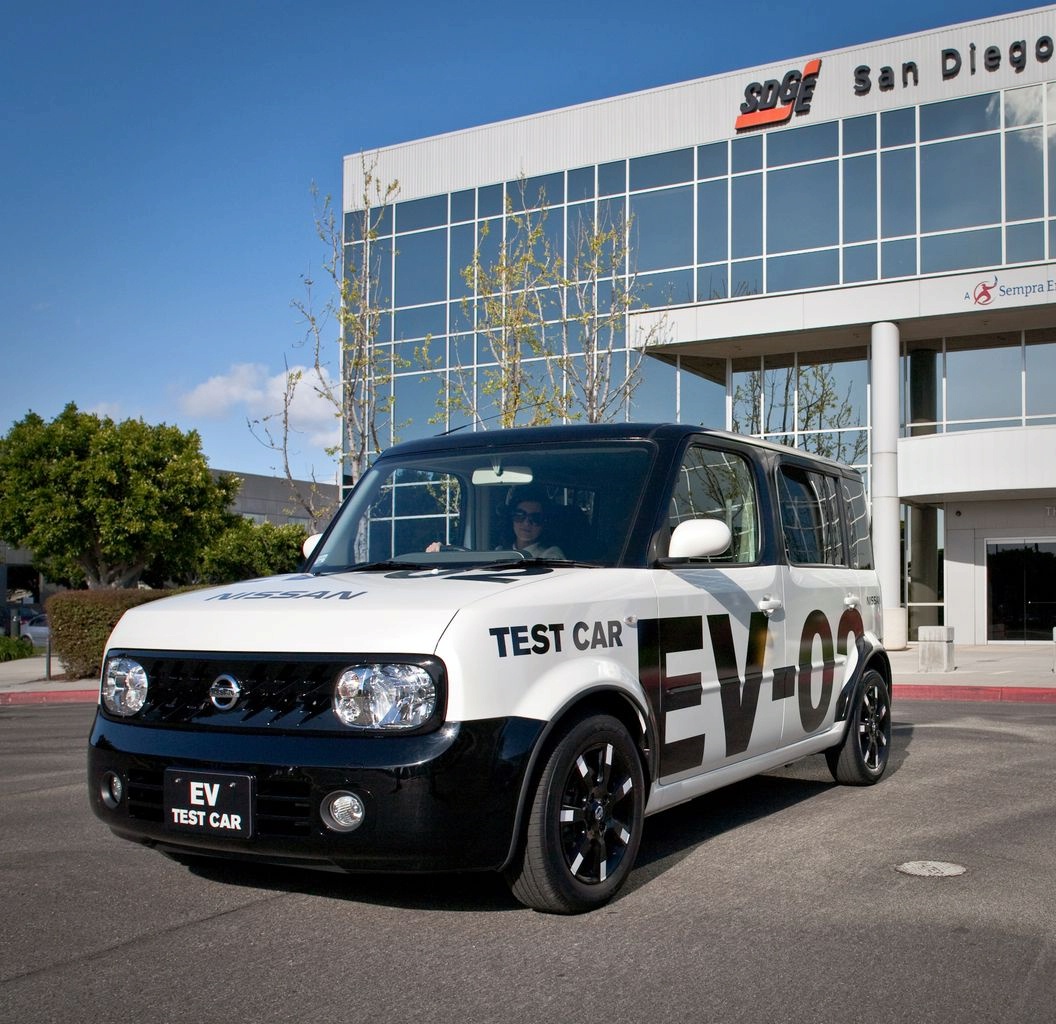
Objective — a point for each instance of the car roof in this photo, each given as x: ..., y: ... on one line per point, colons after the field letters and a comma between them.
x: 481, y: 440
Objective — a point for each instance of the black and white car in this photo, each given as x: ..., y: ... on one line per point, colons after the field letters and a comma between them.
x: 508, y: 649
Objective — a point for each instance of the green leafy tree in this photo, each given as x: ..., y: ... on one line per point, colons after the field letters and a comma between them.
x: 247, y: 549
x: 100, y: 503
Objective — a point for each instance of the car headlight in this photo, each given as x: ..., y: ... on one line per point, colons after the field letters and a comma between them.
x: 394, y: 696
x: 125, y: 685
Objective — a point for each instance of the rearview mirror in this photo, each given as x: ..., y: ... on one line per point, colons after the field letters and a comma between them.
x: 699, y: 538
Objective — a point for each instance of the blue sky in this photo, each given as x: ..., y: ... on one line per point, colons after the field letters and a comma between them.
x: 158, y: 158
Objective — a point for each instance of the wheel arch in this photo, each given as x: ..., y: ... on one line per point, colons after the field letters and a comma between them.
x: 871, y: 657
x: 598, y: 700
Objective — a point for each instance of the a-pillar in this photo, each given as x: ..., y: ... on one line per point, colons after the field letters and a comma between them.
x: 884, y: 364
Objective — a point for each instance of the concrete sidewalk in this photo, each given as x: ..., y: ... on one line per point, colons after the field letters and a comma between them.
x: 1013, y: 672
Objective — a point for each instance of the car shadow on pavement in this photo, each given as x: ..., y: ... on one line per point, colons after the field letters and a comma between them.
x: 673, y: 834
x: 669, y: 837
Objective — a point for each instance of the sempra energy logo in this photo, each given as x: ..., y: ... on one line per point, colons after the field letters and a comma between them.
x: 774, y: 102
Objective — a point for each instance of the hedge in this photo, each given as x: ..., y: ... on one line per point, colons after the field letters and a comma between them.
x: 82, y: 620
x: 12, y: 649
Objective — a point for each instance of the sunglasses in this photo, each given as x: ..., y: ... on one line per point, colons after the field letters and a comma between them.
x: 532, y: 518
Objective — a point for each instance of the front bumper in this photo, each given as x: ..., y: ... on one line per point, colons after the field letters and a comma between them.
x: 446, y: 800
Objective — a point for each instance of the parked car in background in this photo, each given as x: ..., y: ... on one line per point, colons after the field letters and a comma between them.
x: 37, y: 630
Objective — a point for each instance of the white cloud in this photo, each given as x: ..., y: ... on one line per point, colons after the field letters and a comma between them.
x: 250, y: 390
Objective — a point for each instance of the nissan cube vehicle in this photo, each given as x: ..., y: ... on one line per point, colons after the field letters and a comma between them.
x: 508, y: 648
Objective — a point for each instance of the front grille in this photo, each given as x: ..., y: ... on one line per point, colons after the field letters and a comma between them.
x: 279, y: 692
x: 283, y: 805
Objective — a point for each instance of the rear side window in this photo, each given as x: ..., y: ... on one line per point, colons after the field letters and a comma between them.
x: 861, y: 553
x: 719, y: 485
x: 810, y: 517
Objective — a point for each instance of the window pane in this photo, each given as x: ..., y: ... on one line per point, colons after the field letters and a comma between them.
x: 713, y: 283
x: 747, y: 153
x: 832, y: 391
x: 581, y: 184
x: 421, y: 213
x: 1025, y: 243
x: 813, y: 142
x: 746, y: 278
x: 859, y: 134
x: 654, y: 400
x: 898, y: 259
x: 532, y: 193
x: 1023, y: 106
x: 1024, y: 174
x: 463, y: 238
x: 804, y: 270
x: 712, y: 160
x: 489, y: 201
x: 810, y: 517
x: 662, y: 169
x: 701, y: 401
x: 712, y: 225
x: 746, y: 416
x: 747, y: 215
x: 779, y: 394
x: 673, y: 288
x: 858, y: 524
x: 983, y: 383
x: 1041, y: 372
x: 859, y: 198
x: 612, y: 178
x: 859, y: 263
x: 945, y: 202
x: 463, y: 205
x: 421, y: 268
x: 898, y: 127
x: 960, y: 117
x: 802, y: 209
x: 960, y: 251
x: 718, y: 485
x: 420, y: 321
x: 662, y: 226
x: 898, y: 176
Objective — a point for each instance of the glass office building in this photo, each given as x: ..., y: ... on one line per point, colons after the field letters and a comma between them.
x: 849, y: 252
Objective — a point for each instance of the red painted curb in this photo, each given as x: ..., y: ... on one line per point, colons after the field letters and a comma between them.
x: 50, y: 697
x: 1006, y: 694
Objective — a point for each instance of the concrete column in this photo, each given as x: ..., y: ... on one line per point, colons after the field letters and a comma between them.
x: 884, y: 363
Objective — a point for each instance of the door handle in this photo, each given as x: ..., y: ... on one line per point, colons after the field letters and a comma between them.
x: 768, y: 605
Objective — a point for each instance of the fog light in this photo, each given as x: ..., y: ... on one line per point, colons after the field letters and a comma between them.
x: 342, y: 811
x: 111, y: 790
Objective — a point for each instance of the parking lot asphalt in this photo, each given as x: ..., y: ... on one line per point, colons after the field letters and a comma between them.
x: 1019, y: 673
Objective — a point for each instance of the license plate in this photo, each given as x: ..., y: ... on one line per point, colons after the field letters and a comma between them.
x: 210, y: 803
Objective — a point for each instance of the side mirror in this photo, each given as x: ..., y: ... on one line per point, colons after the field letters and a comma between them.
x: 699, y: 538
x: 310, y: 544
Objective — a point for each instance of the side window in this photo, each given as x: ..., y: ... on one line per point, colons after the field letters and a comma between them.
x: 858, y: 524
x: 719, y: 485
x: 810, y: 517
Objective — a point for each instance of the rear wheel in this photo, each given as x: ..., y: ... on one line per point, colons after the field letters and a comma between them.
x: 861, y: 759
x: 585, y: 820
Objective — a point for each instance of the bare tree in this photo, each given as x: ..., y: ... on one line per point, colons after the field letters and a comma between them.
x: 505, y: 308
x: 551, y: 328
x: 804, y: 402
x: 359, y: 392
x: 597, y: 289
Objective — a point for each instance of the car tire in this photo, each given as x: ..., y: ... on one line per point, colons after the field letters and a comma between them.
x: 585, y: 820
x: 861, y: 758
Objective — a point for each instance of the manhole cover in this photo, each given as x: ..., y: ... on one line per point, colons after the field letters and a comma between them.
x: 931, y: 868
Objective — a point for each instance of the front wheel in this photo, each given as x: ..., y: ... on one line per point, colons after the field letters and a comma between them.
x: 585, y: 821
x: 861, y: 759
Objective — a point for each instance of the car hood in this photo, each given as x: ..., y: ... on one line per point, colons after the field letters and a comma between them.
x: 387, y: 612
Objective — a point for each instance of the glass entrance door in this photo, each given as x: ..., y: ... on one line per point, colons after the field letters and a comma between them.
x: 1020, y: 590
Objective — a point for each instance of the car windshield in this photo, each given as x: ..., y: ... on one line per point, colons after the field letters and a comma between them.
x: 569, y: 502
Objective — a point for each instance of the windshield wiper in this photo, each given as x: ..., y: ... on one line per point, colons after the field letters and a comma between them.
x: 383, y: 566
